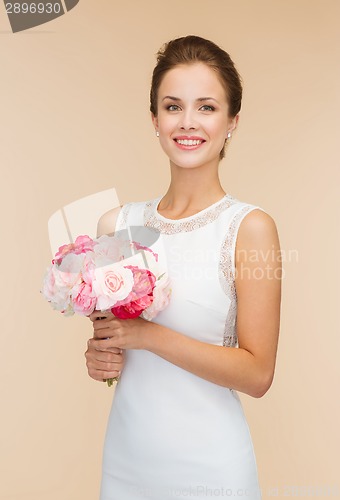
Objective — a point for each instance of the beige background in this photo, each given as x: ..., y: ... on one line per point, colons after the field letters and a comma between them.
x: 75, y: 120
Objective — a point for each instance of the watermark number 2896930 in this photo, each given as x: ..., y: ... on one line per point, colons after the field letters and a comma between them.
x: 23, y: 15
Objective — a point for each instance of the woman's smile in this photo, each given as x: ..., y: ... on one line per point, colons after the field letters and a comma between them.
x: 189, y: 143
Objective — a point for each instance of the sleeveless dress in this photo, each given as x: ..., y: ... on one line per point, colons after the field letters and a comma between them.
x: 172, y: 434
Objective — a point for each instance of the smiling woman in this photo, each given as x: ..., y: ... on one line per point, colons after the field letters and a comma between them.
x: 210, y: 113
x: 177, y: 54
x: 177, y: 426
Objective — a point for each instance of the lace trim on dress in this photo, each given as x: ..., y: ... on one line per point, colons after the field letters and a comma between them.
x: 190, y: 223
x: 227, y: 279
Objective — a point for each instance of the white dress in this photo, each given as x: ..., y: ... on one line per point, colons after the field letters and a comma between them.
x: 171, y: 434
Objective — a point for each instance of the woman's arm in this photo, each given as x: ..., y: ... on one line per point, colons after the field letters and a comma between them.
x: 248, y: 368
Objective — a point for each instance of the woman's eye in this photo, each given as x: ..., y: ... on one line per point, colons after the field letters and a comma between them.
x: 171, y: 106
x: 206, y: 106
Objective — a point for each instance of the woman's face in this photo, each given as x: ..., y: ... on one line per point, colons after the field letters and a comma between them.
x: 185, y: 114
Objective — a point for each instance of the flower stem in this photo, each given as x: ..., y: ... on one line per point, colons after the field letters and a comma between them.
x: 110, y: 381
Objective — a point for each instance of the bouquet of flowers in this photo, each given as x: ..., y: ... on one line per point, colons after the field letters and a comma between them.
x: 101, y: 274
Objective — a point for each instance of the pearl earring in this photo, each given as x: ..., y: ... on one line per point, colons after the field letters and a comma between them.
x: 157, y: 133
x: 229, y: 135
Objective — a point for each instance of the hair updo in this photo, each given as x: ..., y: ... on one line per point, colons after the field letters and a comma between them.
x: 192, y: 49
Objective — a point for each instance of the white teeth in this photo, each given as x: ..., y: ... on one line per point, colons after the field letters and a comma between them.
x: 187, y: 142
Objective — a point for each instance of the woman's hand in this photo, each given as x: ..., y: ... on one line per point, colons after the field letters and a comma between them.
x: 119, y: 333
x: 105, y: 353
x: 103, y: 362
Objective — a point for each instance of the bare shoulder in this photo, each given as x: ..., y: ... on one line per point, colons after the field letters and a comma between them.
x: 257, y: 230
x: 107, y: 222
x: 257, y: 250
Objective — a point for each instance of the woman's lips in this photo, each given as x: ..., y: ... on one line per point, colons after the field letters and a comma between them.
x: 188, y: 147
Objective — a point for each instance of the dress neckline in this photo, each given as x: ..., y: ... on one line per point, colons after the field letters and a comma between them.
x: 190, y: 217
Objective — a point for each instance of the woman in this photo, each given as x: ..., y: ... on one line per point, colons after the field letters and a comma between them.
x: 177, y: 427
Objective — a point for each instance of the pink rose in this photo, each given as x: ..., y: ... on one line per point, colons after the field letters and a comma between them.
x: 57, y: 293
x: 143, y: 284
x: 111, y: 283
x: 53, y: 290
x: 59, y: 281
x: 140, y: 296
x: 161, y: 298
x: 83, y: 299
x: 88, y: 268
x: 133, y: 309
x: 68, y: 273
x: 82, y: 244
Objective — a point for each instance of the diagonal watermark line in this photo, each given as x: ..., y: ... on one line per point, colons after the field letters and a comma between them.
x: 66, y: 225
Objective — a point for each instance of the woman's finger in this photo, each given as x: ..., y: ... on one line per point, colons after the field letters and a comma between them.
x: 103, y: 365
x: 100, y: 314
x: 104, y: 331
x: 103, y: 375
x: 105, y: 357
x: 102, y: 345
x: 101, y: 330
x: 95, y: 315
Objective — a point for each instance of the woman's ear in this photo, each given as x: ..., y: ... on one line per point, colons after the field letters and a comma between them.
x: 154, y: 120
x: 233, y: 124
x: 236, y: 119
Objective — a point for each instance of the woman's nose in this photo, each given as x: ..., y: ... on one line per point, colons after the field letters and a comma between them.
x: 187, y: 119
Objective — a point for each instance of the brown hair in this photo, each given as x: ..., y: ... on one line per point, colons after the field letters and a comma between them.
x: 192, y: 49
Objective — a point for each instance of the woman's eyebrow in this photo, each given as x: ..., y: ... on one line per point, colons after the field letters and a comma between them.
x: 200, y: 99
